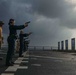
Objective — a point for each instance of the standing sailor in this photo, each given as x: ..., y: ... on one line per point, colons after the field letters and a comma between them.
x: 22, y: 35
x: 11, y: 40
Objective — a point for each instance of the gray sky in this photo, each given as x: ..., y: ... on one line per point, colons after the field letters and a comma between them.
x: 51, y: 20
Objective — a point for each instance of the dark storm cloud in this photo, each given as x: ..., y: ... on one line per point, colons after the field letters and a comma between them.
x: 47, y: 18
x: 4, y: 8
x: 48, y: 8
x: 56, y: 9
x: 60, y: 9
x: 21, y: 9
x: 5, y: 13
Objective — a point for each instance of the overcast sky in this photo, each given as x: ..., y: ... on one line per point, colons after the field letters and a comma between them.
x: 51, y: 20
